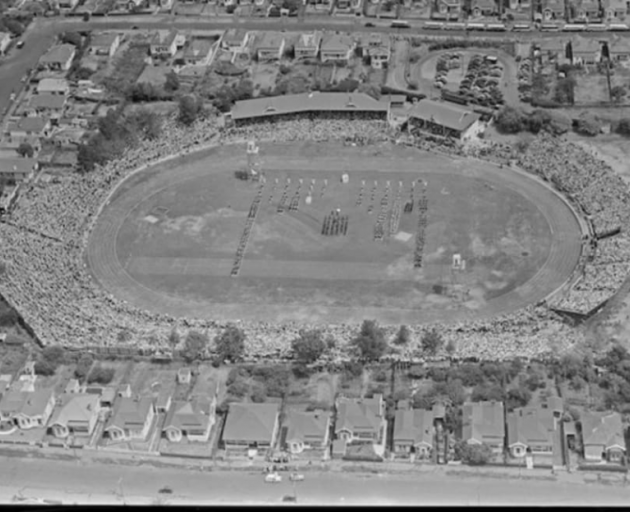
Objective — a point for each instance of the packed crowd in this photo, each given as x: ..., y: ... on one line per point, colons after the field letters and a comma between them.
x: 48, y: 282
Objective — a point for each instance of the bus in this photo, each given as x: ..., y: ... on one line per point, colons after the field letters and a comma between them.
x: 495, y: 27
x: 521, y: 27
x: 549, y: 27
x: 400, y: 24
x: 572, y: 27
x: 433, y: 25
x: 596, y: 27
x: 475, y: 26
x: 455, y: 26
x: 618, y: 27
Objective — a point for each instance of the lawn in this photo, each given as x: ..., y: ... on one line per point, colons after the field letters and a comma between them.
x: 12, y: 359
x: 592, y: 87
x: 264, y: 76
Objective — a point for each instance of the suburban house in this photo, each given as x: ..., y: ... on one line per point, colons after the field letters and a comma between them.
x: 480, y: 8
x: 585, y: 10
x: 270, y: 46
x: 446, y: 119
x: 5, y: 40
x: 603, y: 437
x: 184, y: 375
x: 105, y: 43
x: 414, y: 432
x: 251, y: 426
x: 58, y: 58
x: 619, y: 48
x: 192, y: 420
x: 553, y: 49
x: 362, y: 421
x: 67, y: 5
x: 163, y: 43
x: 484, y: 423
x: 198, y: 52
x: 521, y: 6
x: 235, y: 40
x: 27, y: 127
x: 306, y: 431
x: 585, y: 51
x: 18, y: 169
x: 51, y: 105
x: 53, y: 86
x: 131, y: 419
x: 337, y: 47
x: 446, y: 9
x: 307, y: 45
x: 376, y: 47
x: 531, y: 431
x: 75, y: 413
x: 27, y: 409
x: 553, y: 10
x: 614, y: 10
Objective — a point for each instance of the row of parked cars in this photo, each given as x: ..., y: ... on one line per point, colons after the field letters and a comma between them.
x: 481, y: 83
x: 524, y: 80
x: 444, y: 64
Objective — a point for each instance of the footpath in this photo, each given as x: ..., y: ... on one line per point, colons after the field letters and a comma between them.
x: 393, y: 469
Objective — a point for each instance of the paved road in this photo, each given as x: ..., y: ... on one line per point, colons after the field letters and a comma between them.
x: 74, y: 482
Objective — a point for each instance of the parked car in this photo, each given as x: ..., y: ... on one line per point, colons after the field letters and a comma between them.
x: 20, y: 44
x: 12, y: 97
x: 296, y: 477
x: 273, y: 478
x: 369, y: 24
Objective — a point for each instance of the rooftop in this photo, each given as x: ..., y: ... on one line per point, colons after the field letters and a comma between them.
x: 604, y: 429
x: 58, y: 54
x: 530, y: 426
x: 307, y: 425
x: 359, y: 415
x: 130, y: 412
x: 184, y: 415
x: 28, y: 124
x: 28, y: 403
x: 269, y: 40
x: 309, y: 41
x: 250, y: 422
x: 333, y: 42
x: 49, y: 101
x: 449, y: 115
x: 74, y: 407
x: 413, y: 425
x: 483, y: 421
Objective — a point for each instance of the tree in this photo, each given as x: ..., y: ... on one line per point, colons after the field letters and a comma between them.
x: 587, y: 124
x: 617, y: 93
x: 83, y: 73
x: 25, y: 150
x: 450, y: 347
x: 190, y: 107
x: 72, y: 38
x: 101, y: 375
x: 172, y: 82
x: 564, y: 92
x: 431, y: 342
x: 230, y: 344
x: 83, y: 366
x: 487, y: 392
x: 174, y: 338
x: 370, y: 342
x: 558, y: 124
x: 623, y: 128
x: 308, y: 346
x: 473, y: 455
x: 470, y: 374
x: 538, y: 120
x: 402, y: 336
x: 45, y: 368
x: 13, y: 26
x: 195, y: 345
x: 258, y: 394
x: 510, y: 120
x: 517, y: 397
x: 54, y: 354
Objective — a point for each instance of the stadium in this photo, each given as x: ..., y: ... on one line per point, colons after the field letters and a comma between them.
x: 338, y: 217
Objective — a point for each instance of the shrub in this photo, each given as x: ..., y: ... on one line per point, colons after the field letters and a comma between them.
x: 318, y: 406
x: 301, y: 371
x: 195, y: 346
x: 587, y: 124
x: 623, y: 128
x: 402, y: 336
x: 258, y: 394
x: 230, y: 344
x: 101, y: 375
x: 15, y: 339
x: 45, y: 368
x: 510, y: 120
x: 83, y: 366
x: 275, y: 378
x: 370, y: 343
x: 309, y: 346
x: 432, y: 342
x: 473, y: 455
x: 238, y: 388
x: 380, y: 376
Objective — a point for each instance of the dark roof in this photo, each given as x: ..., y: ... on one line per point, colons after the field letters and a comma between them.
x: 250, y: 422
x: 414, y: 425
x: 307, y: 102
x: 189, y: 414
x: 130, y: 412
x: 58, y: 54
x: 483, y: 421
x: 359, y: 415
x: 530, y: 426
x: 449, y: 115
x: 307, y: 426
x: 605, y: 429
x: 45, y: 100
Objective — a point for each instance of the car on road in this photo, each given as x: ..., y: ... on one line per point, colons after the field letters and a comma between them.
x: 273, y: 478
x: 20, y: 44
x: 12, y: 97
x: 296, y: 477
x: 165, y: 490
x: 135, y: 27
x: 287, y: 498
x: 370, y: 25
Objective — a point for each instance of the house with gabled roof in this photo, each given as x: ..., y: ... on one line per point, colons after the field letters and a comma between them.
x: 307, y: 45
x: 104, y: 43
x: 481, y: 8
x: 163, y: 43
x: 414, y: 432
x: 377, y: 47
x: 614, y: 10
x: 53, y: 86
x: 530, y: 430
x: 27, y: 409
x: 553, y: 10
x: 306, y: 431
x: 619, y: 48
x: 59, y: 58
x: 585, y: 50
x: 446, y: 9
x: 235, y: 40
x: 75, y: 413
x: 51, y: 105
x: 337, y: 47
x: 585, y: 11
x: 131, y: 419
x: 484, y: 423
x: 191, y: 420
x: 16, y: 170
x: 28, y: 127
x: 603, y: 437
x: 269, y: 45
x: 198, y: 52
x: 444, y: 118
x: 362, y: 421
x: 251, y: 426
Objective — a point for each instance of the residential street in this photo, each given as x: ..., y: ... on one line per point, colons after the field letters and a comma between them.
x: 75, y: 482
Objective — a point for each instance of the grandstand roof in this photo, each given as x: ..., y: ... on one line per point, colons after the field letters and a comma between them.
x: 308, y: 102
x: 449, y: 115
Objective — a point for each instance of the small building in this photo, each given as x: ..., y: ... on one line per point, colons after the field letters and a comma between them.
x: 553, y: 10
x: 603, y: 437
x: 18, y: 169
x: 337, y: 47
x: 53, y: 86
x: 131, y: 419
x: 585, y: 50
x: 105, y: 44
x: 5, y: 40
x: 59, y: 58
x: 46, y: 105
x: 480, y: 8
x: 163, y: 401
x: 251, y: 426
x: 376, y: 47
x: 192, y: 420
x: 270, y: 46
x: 446, y: 9
x: 307, y: 45
x: 198, y: 52
x: 530, y: 431
x: 67, y: 5
x: 619, y: 49
x: 184, y: 375
x: 163, y: 43
x: 108, y: 396
x: 28, y: 127
x: 585, y: 11
x: 306, y: 431
x: 75, y: 413
x: 614, y: 10
x: 414, y: 433
x: 27, y: 409
x: 484, y: 423
x: 235, y: 40
x: 444, y: 118
x: 362, y: 421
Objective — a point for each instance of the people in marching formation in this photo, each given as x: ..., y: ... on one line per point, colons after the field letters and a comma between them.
x: 48, y: 282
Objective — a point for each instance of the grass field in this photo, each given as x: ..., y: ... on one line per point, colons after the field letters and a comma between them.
x: 178, y: 231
